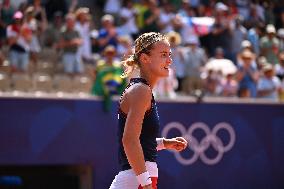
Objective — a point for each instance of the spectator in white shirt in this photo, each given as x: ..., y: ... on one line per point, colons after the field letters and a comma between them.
x: 127, y: 19
x: 269, y: 86
x: 166, y: 18
x: 82, y: 26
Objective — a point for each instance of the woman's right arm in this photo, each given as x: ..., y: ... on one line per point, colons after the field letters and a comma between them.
x: 138, y: 100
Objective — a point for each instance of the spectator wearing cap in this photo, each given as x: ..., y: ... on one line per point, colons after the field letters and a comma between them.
x: 245, y: 45
x: 269, y: 45
x: 19, y: 40
x: 247, y: 75
x: 108, y: 81
x: 82, y: 25
x: 108, y: 33
x: 178, y: 58
x: 194, y: 58
x: 69, y: 42
x: 269, y: 86
x: 34, y: 25
x: 221, y: 30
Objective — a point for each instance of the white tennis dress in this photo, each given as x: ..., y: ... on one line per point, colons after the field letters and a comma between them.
x: 127, y: 179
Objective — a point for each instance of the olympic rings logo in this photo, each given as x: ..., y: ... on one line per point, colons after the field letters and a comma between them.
x: 199, y: 148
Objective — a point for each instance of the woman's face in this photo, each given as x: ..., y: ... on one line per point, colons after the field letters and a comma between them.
x: 160, y: 59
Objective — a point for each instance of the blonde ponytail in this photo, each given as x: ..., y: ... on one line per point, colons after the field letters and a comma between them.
x: 129, y: 65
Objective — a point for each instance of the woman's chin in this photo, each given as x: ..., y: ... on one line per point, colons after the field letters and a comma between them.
x: 166, y: 72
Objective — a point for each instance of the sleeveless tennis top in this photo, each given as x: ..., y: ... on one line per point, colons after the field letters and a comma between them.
x: 149, y: 132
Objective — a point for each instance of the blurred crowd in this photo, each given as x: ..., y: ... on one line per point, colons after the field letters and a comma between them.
x: 232, y: 48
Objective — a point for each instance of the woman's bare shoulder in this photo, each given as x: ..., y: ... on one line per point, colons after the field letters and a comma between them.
x: 138, y: 93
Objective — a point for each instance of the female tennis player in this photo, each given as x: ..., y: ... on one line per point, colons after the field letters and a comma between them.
x: 138, y: 117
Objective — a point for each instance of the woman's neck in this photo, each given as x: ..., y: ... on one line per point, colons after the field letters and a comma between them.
x: 150, y: 80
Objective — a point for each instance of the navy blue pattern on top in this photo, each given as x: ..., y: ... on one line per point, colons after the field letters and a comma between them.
x: 149, y: 132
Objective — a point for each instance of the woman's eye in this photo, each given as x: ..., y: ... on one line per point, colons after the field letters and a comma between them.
x: 164, y: 55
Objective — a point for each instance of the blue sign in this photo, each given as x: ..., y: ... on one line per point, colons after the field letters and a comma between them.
x: 231, y: 145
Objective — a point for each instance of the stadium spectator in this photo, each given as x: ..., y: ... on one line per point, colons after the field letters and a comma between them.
x: 19, y: 41
x: 69, y: 42
x: 166, y: 18
x: 108, y: 81
x: 185, y: 6
x: 243, y: 8
x: 247, y: 75
x: 52, y: 34
x: 227, y: 31
x: 229, y: 86
x: 18, y: 4
x: 221, y: 30
x: 151, y: 17
x: 124, y: 47
x: 31, y: 22
x: 269, y: 86
x: 195, y: 59
x: 128, y: 15
x: 254, y: 35
x: 184, y: 25
x: 256, y: 16
x: 178, y: 58
x: 40, y: 15
x: 82, y: 26
x: 280, y: 35
x: 269, y: 45
x: 211, y: 86
x: 245, y: 45
x: 238, y: 35
x: 141, y: 8
x: 112, y: 7
x: 108, y: 33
